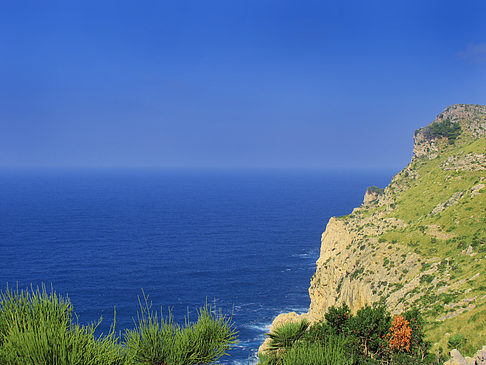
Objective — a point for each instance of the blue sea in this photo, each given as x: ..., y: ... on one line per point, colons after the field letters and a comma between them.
x: 246, y: 241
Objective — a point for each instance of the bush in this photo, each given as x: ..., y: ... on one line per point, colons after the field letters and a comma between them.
x: 287, y: 334
x: 446, y: 128
x: 418, y: 346
x: 162, y: 341
x: 456, y: 341
x: 368, y: 338
x: 375, y: 190
x: 400, y: 334
x: 371, y: 325
x: 38, y: 328
x: 338, y: 318
x: 332, y: 352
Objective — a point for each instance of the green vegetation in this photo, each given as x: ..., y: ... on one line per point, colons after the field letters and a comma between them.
x: 37, y: 327
x: 329, y: 352
x: 375, y: 190
x: 445, y: 128
x: 456, y: 341
x: 369, y: 337
x: 286, y: 335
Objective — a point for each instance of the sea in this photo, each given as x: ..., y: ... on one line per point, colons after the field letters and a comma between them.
x: 244, y: 241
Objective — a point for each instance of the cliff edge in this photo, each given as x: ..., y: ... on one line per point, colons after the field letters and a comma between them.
x: 419, y: 242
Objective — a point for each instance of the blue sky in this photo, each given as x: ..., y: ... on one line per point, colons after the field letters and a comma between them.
x: 232, y: 83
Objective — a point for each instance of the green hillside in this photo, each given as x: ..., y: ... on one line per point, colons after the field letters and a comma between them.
x: 439, y: 202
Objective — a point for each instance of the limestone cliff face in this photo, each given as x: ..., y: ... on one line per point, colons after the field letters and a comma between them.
x: 353, y: 265
x: 398, y: 247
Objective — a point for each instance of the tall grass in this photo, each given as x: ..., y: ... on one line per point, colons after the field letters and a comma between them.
x: 332, y: 352
x: 38, y: 328
x: 159, y: 340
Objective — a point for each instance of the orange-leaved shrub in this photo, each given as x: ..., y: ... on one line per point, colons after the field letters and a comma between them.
x: 400, y: 334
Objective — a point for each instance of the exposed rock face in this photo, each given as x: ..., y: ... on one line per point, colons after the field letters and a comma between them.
x: 458, y: 359
x: 480, y: 356
x: 328, y: 285
x: 470, y: 162
x: 372, y: 194
x: 353, y: 271
x: 360, y: 262
x: 451, y: 201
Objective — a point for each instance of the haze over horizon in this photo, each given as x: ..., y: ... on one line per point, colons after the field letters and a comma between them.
x: 241, y: 84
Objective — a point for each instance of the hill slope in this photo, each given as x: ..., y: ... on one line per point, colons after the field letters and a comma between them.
x: 421, y: 241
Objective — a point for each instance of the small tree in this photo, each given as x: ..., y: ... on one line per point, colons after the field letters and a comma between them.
x: 418, y: 346
x: 400, y: 334
x: 338, y: 318
x: 370, y: 326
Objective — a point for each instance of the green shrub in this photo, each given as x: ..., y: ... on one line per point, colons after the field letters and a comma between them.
x: 419, y: 347
x: 38, y: 328
x: 426, y: 279
x: 268, y: 358
x: 446, y: 128
x: 332, y: 352
x: 162, y: 341
x: 284, y: 336
x: 338, y: 318
x: 375, y: 190
x: 370, y: 326
x: 456, y: 341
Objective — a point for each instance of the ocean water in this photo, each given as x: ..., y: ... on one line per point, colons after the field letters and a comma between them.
x: 246, y: 241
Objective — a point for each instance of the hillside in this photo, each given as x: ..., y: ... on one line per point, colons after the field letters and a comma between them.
x: 419, y: 242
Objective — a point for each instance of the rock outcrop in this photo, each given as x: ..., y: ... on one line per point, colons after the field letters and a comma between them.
x: 457, y: 358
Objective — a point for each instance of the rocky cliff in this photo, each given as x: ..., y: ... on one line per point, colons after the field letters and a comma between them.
x: 422, y: 240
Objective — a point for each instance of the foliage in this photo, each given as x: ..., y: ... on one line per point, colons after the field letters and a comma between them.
x: 456, y: 341
x: 332, y: 352
x: 419, y: 347
x: 375, y: 190
x: 286, y: 335
x: 162, y: 341
x: 369, y: 337
x: 400, y: 334
x: 371, y: 325
x: 318, y: 345
x: 446, y: 128
x: 338, y: 318
x: 37, y: 327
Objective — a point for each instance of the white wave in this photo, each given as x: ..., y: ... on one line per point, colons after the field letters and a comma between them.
x: 263, y: 327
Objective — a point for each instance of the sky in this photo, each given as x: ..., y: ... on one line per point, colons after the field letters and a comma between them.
x: 231, y: 83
